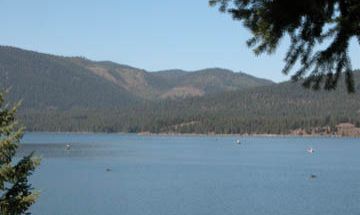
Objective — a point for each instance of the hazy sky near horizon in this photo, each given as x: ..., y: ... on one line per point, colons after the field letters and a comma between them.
x: 152, y: 35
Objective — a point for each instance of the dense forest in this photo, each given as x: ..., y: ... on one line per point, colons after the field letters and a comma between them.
x: 277, y: 109
x: 79, y: 95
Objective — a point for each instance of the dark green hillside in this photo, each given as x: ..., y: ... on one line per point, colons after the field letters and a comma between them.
x: 216, y: 80
x: 207, y: 81
x: 77, y: 94
x: 136, y: 81
x: 276, y: 109
x: 45, y: 81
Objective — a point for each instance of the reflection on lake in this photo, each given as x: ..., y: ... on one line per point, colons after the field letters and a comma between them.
x: 164, y: 175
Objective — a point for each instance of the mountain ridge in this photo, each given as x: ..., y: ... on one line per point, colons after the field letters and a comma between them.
x: 77, y: 76
x: 77, y: 94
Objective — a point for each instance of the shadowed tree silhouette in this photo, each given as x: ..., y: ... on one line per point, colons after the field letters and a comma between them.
x: 16, y: 194
x: 311, y: 25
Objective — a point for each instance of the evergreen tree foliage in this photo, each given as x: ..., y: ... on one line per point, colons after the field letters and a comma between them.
x: 309, y: 23
x: 16, y: 194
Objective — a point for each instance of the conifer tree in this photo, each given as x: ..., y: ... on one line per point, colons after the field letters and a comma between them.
x: 16, y: 193
x: 308, y: 23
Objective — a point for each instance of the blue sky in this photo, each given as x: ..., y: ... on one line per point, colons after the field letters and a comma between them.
x: 153, y: 35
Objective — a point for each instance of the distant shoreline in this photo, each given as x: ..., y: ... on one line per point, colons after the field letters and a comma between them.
x: 240, y: 135
x: 190, y: 134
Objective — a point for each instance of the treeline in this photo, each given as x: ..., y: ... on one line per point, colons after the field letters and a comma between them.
x: 276, y: 109
x: 114, y: 121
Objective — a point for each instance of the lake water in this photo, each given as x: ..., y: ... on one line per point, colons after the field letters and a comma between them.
x: 110, y: 174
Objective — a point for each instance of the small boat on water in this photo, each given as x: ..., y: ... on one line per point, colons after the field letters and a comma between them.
x: 238, y: 141
x: 67, y: 147
x: 310, y: 150
x: 312, y: 176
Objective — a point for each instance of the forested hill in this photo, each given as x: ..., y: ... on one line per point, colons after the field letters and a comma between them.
x: 77, y: 94
x: 277, y: 109
x: 46, y: 81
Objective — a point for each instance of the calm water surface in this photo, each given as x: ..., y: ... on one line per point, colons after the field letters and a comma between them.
x: 162, y: 175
